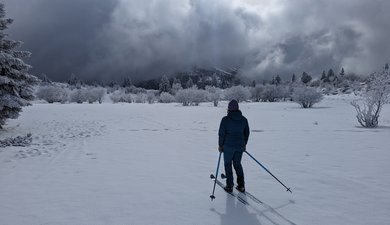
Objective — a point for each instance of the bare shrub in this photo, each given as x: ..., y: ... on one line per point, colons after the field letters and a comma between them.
x: 52, y: 94
x: 377, y: 94
x: 95, y: 94
x: 165, y: 97
x: 239, y: 93
x: 121, y: 96
x: 306, y: 96
x: 273, y: 93
x: 78, y: 95
x: 215, y: 94
x: 151, y: 97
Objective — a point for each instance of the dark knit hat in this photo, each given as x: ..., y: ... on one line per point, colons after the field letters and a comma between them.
x: 233, y: 105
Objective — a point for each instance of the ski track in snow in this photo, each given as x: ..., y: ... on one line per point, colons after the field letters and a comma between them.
x: 102, y: 164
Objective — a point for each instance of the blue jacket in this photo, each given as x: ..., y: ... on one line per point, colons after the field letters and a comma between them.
x: 233, y: 131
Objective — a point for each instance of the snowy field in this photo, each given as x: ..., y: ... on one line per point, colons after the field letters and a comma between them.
x: 150, y: 164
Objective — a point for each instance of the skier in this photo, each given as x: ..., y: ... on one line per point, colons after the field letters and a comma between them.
x: 233, y: 137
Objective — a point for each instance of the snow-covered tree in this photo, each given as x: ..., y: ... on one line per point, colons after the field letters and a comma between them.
x: 95, y: 94
x: 74, y: 81
x: 165, y: 85
x: 165, y: 97
x: 324, y: 78
x: 192, y: 96
x: 45, y: 79
x: 215, y: 94
x: 15, y: 82
x: 342, y: 73
x: 78, y: 95
x: 134, y: 90
x: 272, y: 93
x: 199, y: 95
x: 151, y: 97
x: 121, y: 96
x: 127, y: 82
x: 306, y: 96
x: 377, y: 94
x: 189, y: 83
x: 141, y: 98
x: 175, y: 88
x: 184, y: 96
x: 331, y: 75
x: 239, y: 93
x: 305, y: 78
x: 277, y: 80
x: 52, y: 94
x: 257, y: 92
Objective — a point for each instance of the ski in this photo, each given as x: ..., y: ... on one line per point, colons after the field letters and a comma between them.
x: 246, y: 193
x: 239, y: 198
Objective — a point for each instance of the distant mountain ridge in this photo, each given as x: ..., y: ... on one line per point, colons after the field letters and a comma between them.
x: 222, y: 77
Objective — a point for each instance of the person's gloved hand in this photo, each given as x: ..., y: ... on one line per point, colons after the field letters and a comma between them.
x: 220, y: 149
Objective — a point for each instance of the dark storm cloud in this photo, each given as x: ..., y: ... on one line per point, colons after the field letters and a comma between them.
x: 142, y: 39
x: 58, y: 32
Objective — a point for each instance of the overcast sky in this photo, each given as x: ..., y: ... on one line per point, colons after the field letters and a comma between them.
x: 111, y: 39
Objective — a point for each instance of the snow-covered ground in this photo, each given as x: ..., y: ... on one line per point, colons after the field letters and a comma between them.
x: 150, y: 164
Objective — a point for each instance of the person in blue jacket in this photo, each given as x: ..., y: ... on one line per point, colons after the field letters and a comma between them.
x: 233, y: 136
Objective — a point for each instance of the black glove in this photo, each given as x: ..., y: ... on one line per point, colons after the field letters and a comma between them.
x: 220, y: 149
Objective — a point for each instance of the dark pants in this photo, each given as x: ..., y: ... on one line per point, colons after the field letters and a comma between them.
x: 234, y: 157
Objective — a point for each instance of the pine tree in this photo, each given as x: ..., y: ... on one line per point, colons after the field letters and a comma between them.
x: 176, y: 81
x: 324, y: 78
x: 164, y: 86
x: 278, y: 80
x: 293, y: 79
x: 127, y: 82
x: 387, y: 66
x: 15, y: 82
x: 253, y: 83
x: 45, y: 79
x: 342, y: 73
x: 214, y: 80
x: 331, y: 76
x: 73, y: 80
x: 306, y: 78
x: 189, y: 83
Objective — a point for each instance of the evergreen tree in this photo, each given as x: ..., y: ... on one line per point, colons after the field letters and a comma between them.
x: 293, y: 79
x: 45, y: 79
x: 15, y: 82
x: 189, y: 83
x: 164, y: 86
x: 127, y: 82
x: 253, y: 83
x: 305, y: 78
x: 324, y: 78
x: 387, y: 66
x: 73, y: 80
x: 342, y: 73
x: 278, y: 80
x: 176, y: 81
x: 331, y: 75
x: 214, y: 80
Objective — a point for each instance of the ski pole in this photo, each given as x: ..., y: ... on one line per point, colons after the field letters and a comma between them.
x: 288, y: 189
x: 216, y: 176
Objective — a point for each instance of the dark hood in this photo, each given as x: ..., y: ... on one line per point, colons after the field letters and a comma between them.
x: 235, y: 115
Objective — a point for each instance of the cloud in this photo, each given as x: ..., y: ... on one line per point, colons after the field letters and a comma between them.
x: 108, y: 40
